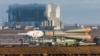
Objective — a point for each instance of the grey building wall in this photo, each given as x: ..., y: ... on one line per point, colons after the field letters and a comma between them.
x: 30, y: 12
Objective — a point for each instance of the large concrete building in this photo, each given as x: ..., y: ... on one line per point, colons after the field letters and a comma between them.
x: 37, y: 15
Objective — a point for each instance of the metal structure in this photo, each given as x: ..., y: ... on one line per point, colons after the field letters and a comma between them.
x: 75, y: 33
x: 62, y: 37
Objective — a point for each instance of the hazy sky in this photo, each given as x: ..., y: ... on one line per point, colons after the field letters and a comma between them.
x: 72, y: 11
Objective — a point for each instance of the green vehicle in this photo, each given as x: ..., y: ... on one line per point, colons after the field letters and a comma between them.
x: 67, y: 42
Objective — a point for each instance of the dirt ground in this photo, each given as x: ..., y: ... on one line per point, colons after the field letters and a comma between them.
x: 51, y: 50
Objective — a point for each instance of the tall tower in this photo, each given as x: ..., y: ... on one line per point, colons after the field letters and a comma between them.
x: 53, y: 15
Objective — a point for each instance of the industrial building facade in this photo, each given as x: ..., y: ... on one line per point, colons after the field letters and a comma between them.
x: 37, y: 15
x: 31, y: 12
